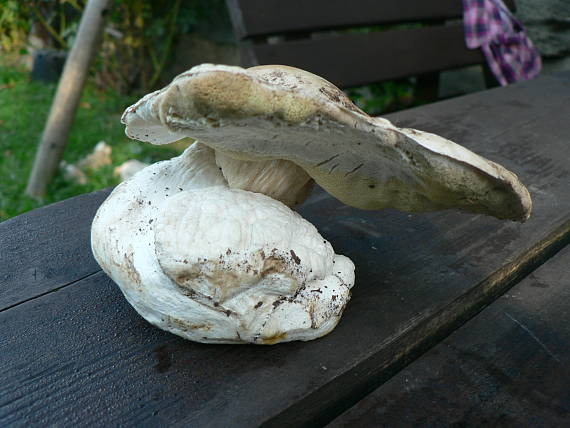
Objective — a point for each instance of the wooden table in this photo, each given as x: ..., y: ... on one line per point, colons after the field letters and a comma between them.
x: 72, y: 351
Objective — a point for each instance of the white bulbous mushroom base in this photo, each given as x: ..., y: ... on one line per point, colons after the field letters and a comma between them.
x: 214, y: 264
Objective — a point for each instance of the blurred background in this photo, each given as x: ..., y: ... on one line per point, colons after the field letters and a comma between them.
x: 145, y: 43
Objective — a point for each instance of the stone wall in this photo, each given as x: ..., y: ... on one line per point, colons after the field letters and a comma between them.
x: 548, y: 25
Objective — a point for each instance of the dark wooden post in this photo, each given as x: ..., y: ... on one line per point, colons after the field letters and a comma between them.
x: 64, y: 106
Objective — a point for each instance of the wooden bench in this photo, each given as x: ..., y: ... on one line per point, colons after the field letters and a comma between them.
x: 313, y: 35
x: 73, y: 352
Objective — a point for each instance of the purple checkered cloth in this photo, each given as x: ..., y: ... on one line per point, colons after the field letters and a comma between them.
x: 510, y: 54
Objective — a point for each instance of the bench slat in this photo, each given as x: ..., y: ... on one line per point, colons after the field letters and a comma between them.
x: 262, y: 17
x: 360, y: 58
x: 45, y: 249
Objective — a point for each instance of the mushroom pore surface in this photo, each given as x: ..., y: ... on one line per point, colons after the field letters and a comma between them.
x: 282, y: 113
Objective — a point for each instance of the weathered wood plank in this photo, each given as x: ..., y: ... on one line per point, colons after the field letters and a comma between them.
x: 509, y: 366
x: 261, y: 17
x: 45, y: 249
x: 360, y: 58
x: 82, y: 355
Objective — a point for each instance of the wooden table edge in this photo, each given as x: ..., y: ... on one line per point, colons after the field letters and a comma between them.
x: 337, y: 396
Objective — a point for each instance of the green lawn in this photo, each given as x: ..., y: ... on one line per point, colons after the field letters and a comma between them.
x: 24, y: 106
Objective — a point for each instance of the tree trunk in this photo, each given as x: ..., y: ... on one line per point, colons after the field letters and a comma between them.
x: 68, y: 94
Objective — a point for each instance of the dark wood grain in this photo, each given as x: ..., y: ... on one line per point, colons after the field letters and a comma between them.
x: 81, y: 355
x: 262, y: 17
x: 361, y: 58
x: 46, y: 248
x: 352, y: 59
x: 509, y: 366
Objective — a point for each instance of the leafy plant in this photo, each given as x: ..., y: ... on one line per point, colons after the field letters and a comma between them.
x: 137, y: 44
x: 14, y: 25
x: 137, y: 39
x: 383, y: 97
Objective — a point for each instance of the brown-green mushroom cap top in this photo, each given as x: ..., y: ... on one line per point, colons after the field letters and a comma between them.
x: 282, y: 113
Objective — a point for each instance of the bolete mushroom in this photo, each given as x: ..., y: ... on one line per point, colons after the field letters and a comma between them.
x: 206, y: 246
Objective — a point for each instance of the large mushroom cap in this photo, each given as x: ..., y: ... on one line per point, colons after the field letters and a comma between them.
x: 278, y: 112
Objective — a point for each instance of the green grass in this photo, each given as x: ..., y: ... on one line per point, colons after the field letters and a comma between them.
x: 24, y: 106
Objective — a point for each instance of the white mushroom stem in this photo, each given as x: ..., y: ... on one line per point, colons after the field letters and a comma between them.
x: 279, y: 179
x: 214, y: 264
